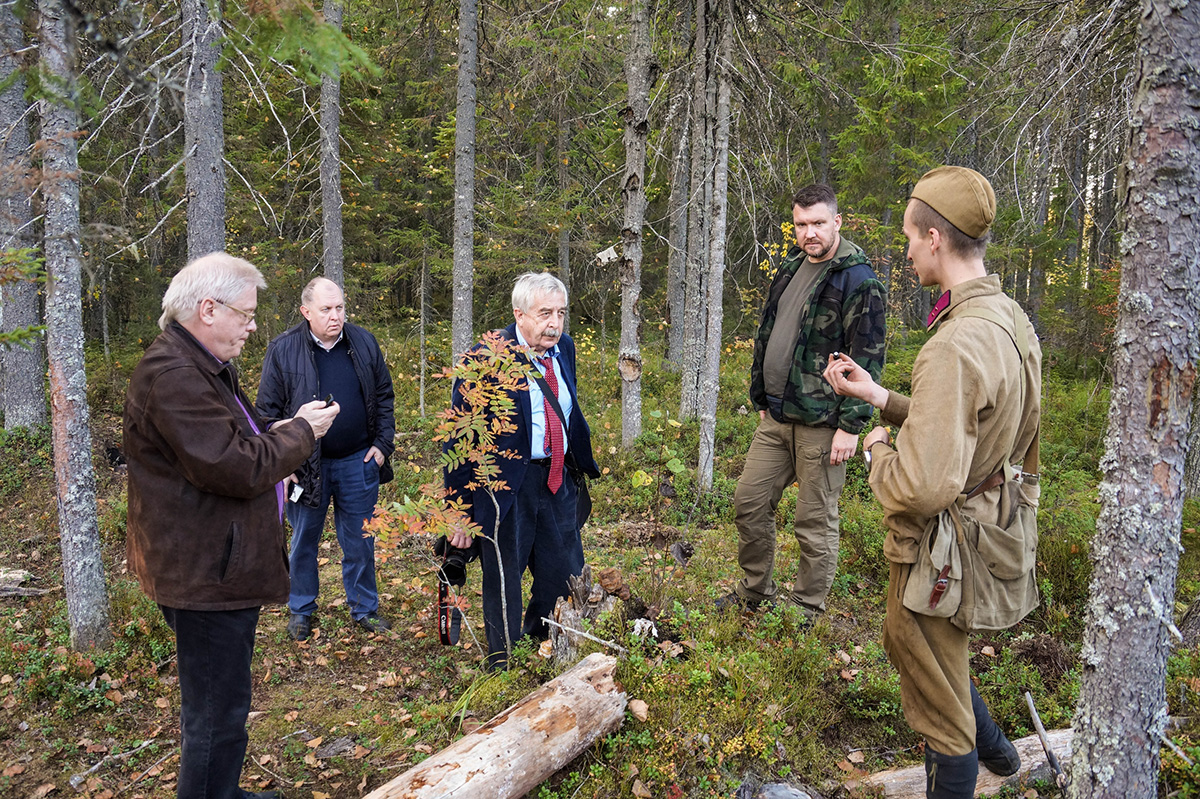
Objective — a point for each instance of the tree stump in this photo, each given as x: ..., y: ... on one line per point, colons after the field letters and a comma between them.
x: 587, y: 601
x: 525, y: 744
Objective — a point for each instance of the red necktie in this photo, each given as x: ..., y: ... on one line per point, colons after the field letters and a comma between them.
x: 554, y: 430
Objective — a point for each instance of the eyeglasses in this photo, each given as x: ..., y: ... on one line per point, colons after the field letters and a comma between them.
x: 248, y: 316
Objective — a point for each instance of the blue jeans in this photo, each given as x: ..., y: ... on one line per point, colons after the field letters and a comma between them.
x: 537, y: 533
x: 213, y: 652
x: 354, y: 488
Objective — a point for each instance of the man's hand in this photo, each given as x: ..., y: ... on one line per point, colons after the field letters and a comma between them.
x: 848, y: 379
x: 875, y: 436
x: 374, y: 452
x: 762, y: 416
x: 844, y: 446
x: 460, y: 540
x: 318, y: 415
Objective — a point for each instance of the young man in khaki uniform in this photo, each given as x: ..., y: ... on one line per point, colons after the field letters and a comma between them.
x: 974, y: 408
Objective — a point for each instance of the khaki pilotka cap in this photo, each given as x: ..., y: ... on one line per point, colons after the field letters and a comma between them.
x: 961, y: 195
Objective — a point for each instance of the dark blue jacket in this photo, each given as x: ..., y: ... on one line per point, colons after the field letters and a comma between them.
x: 289, y: 379
x: 512, y: 470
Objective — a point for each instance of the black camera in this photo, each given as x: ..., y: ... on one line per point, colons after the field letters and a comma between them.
x: 455, y: 560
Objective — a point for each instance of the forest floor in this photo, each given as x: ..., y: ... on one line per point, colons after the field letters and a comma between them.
x: 734, y: 700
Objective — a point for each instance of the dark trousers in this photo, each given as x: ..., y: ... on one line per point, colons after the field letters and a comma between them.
x: 213, y: 654
x: 537, y: 533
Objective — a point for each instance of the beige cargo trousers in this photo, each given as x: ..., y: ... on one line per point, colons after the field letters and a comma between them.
x: 780, y: 454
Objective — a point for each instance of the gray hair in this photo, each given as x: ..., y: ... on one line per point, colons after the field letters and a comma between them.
x: 218, y: 276
x: 531, y: 284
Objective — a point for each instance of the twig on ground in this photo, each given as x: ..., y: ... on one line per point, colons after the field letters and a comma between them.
x: 1175, y: 748
x: 588, y: 636
x: 139, y: 777
x: 77, y: 780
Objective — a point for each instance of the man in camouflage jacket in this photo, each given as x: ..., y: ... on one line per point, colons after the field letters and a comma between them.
x: 825, y: 298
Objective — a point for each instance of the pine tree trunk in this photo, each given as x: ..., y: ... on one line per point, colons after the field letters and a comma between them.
x: 715, y: 283
x: 83, y: 570
x: 639, y: 69
x: 1191, y: 468
x: 677, y: 210
x: 331, y: 164
x: 462, y: 312
x: 203, y: 131
x: 1135, y: 553
x: 24, y: 367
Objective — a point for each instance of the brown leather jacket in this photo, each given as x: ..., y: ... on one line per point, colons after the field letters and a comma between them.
x: 204, y: 528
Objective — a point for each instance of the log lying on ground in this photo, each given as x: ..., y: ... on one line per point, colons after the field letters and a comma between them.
x: 909, y: 783
x: 524, y: 745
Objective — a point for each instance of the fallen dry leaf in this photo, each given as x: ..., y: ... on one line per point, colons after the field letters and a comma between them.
x: 987, y: 650
x: 639, y: 709
x: 291, y: 715
x: 13, y: 771
x: 426, y: 748
x: 315, y: 742
x: 162, y: 702
x: 641, y: 791
x: 856, y: 756
x: 360, y: 752
x: 42, y: 790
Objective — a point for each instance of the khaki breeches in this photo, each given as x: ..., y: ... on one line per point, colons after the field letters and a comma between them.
x: 935, y: 682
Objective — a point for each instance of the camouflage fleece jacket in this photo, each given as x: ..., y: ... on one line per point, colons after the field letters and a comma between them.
x: 844, y: 314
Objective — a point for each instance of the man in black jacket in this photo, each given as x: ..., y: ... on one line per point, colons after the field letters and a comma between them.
x: 322, y: 356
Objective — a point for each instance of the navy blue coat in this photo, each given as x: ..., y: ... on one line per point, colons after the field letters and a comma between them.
x: 512, y: 470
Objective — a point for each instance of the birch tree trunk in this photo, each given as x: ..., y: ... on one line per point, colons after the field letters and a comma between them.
x: 639, y: 74
x: 83, y: 570
x: 1122, y: 708
x: 203, y: 131
x: 696, y: 269
x: 24, y: 367
x: 462, y: 312
x: 331, y: 163
x: 715, y: 284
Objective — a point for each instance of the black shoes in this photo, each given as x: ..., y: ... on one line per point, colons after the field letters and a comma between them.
x: 299, y: 629
x: 373, y: 623
x: 950, y: 776
x: 264, y: 794
x: 738, y: 602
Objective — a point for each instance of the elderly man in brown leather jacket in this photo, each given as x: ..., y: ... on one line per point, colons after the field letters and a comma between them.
x: 205, y: 530
x: 973, y: 413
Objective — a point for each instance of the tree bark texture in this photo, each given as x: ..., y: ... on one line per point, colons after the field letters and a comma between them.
x: 696, y: 269
x: 1191, y: 468
x: 79, y: 535
x: 1122, y: 709
x: 677, y: 214
x: 564, y: 229
x: 24, y: 367
x: 523, y: 745
x: 639, y: 68
x: 715, y: 284
x: 462, y: 312
x: 331, y: 163
x: 203, y: 131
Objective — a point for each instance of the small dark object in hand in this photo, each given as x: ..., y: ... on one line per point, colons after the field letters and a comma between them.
x: 328, y: 400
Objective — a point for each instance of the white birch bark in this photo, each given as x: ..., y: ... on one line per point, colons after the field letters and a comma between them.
x: 639, y: 69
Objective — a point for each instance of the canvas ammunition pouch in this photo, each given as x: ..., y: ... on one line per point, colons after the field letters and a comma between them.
x: 979, y: 575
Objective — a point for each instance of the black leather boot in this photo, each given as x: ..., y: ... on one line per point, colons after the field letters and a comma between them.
x: 950, y: 776
x: 996, y: 752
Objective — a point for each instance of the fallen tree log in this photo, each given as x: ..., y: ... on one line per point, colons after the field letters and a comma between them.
x: 909, y: 783
x: 525, y: 744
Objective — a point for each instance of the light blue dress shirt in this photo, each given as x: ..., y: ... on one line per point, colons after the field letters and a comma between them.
x: 537, y: 406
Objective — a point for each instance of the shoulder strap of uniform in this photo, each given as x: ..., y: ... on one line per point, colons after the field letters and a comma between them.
x: 1017, y: 333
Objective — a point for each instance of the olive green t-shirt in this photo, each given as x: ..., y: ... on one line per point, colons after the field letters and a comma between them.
x: 781, y: 347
